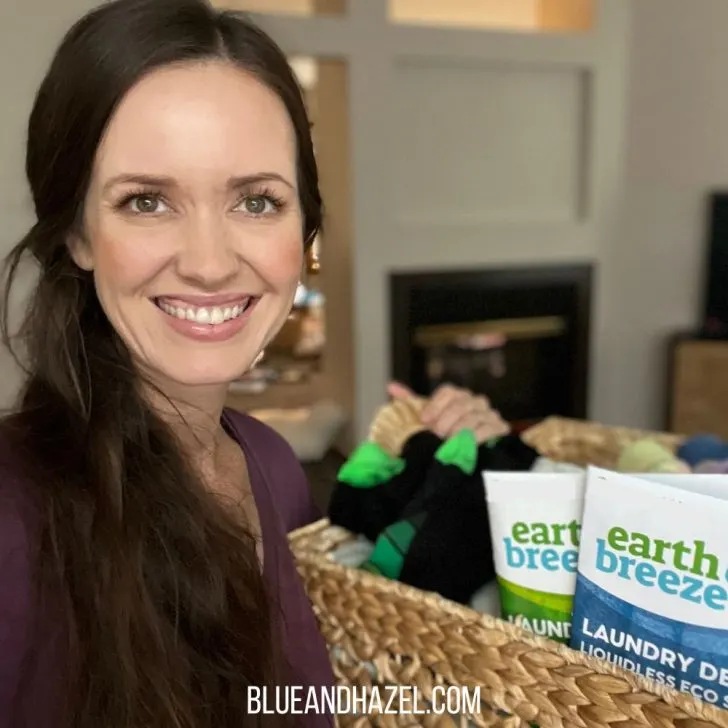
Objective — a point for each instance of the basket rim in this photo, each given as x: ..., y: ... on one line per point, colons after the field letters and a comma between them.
x: 559, y: 425
x: 687, y: 704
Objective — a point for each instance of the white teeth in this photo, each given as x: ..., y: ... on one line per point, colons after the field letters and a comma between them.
x: 212, y: 316
x: 202, y: 316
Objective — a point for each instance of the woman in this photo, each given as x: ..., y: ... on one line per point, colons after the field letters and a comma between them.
x: 145, y: 579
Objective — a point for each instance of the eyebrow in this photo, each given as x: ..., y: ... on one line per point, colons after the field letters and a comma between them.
x: 150, y: 180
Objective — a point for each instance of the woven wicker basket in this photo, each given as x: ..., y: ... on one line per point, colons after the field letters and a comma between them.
x: 383, y: 633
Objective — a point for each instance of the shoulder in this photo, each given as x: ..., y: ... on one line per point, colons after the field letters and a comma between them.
x: 279, y: 466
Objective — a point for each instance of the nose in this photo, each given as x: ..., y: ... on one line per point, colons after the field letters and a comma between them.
x: 207, y: 256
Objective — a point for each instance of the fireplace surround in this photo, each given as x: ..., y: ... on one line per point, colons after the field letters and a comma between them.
x: 519, y: 336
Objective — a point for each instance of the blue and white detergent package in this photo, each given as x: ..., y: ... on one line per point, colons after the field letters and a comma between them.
x: 652, y: 581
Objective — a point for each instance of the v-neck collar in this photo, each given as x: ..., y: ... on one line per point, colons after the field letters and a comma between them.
x: 262, y: 498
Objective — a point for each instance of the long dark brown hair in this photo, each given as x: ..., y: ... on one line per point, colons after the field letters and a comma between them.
x: 168, y: 618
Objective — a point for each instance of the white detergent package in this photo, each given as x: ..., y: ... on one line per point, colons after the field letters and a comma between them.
x: 535, y: 523
x: 652, y: 583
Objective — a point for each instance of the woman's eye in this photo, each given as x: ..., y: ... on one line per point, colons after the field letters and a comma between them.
x: 257, y: 205
x: 146, y: 204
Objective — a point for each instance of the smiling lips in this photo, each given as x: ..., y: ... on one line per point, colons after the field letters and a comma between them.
x: 211, y: 318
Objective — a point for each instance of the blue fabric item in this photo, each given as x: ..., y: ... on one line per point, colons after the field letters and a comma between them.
x: 700, y: 448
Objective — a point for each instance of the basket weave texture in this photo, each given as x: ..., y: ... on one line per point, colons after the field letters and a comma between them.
x: 384, y: 633
x: 589, y: 443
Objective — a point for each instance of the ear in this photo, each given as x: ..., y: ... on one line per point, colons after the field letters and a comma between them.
x: 80, y: 251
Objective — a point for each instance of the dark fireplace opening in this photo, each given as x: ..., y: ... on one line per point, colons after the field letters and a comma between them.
x: 520, y: 336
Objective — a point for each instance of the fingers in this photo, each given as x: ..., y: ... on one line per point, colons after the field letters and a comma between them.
x: 444, y: 398
x: 482, y: 403
x: 452, y: 409
x: 494, y: 427
x: 458, y: 408
x: 467, y: 421
x: 485, y: 433
x: 484, y: 425
x: 493, y: 420
x: 397, y: 390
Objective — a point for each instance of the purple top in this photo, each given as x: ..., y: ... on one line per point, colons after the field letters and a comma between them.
x: 27, y: 668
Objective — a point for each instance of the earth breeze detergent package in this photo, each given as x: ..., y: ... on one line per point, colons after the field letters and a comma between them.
x: 652, y: 584
x: 535, y: 523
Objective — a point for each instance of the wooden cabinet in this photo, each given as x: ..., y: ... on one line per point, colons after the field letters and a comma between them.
x: 697, y: 386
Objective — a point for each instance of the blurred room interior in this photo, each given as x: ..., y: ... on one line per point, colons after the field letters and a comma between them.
x: 522, y: 196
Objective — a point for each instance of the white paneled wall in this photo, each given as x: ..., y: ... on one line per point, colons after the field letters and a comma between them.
x: 489, y: 144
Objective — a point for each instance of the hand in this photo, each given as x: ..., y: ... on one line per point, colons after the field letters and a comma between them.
x: 452, y: 409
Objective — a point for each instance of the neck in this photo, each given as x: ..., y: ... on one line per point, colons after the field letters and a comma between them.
x: 195, y: 416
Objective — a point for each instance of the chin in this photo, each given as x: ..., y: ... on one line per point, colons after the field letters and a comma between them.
x: 212, y: 378
x: 189, y: 374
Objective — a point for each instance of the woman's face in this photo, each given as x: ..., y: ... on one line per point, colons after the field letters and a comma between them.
x: 193, y: 228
